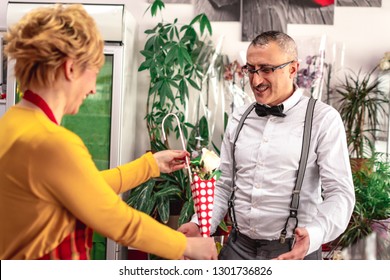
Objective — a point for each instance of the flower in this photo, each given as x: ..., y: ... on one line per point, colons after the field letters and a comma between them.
x: 384, y: 63
x: 231, y: 70
x: 210, y: 160
x: 206, y: 165
x: 308, y: 76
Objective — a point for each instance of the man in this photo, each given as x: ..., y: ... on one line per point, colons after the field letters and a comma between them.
x: 267, y: 153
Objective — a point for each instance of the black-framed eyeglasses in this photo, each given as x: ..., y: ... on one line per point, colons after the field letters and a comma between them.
x: 265, y: 69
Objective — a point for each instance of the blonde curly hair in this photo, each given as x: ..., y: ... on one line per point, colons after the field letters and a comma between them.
x: 45, y: 37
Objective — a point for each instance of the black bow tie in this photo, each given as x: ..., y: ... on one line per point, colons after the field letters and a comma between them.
x: 263, y: 110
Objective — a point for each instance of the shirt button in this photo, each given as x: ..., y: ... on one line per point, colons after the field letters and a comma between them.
x: 257, y: 186
x: 265, y: 139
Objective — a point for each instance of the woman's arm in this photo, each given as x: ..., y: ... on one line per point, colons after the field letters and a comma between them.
x: 134, y: 173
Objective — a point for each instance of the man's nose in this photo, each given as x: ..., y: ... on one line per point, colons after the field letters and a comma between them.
x: 257, y: 78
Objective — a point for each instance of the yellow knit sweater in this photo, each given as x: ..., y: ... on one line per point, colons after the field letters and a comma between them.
x: 48, y: 180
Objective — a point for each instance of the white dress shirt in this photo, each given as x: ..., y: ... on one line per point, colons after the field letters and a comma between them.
x: 267, y: 157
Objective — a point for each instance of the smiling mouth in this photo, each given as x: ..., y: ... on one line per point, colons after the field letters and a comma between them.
x: 262, y: 88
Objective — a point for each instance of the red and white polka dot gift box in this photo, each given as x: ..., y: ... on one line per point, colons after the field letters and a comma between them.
x: 203, y: 196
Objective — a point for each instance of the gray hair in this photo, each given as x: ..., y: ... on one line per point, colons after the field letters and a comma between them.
x: 285, y: 42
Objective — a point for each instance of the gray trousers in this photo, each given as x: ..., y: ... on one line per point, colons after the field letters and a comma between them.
x: 245, y: 248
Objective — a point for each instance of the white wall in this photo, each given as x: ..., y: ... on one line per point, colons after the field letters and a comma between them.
x: 362, y: 32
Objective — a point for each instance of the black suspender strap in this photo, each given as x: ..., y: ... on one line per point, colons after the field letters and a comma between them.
x: 301, y: 170
x: 232, y: 213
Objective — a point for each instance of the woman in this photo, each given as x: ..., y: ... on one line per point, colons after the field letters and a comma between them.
x: 51, y: 193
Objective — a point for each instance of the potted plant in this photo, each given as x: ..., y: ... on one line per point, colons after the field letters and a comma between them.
x: 361, y: 105
x: 177, y: 59
x: 372, y: 207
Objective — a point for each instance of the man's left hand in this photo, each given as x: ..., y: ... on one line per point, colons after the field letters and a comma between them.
x: 299, y: 250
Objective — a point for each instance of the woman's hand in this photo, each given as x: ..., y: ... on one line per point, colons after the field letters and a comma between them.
x: 171, y: 160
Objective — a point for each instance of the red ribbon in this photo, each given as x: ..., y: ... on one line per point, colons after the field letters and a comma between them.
x: 39, y: 102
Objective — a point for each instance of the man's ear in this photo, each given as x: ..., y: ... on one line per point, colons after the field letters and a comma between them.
x: 69, y: 69
x: 294, y: 69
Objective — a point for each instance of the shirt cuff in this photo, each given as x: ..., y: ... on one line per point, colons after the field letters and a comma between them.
x: 316, y: 237
x: 194, y: 219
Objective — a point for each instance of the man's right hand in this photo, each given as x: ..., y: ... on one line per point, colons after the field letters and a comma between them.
x: 190, y: 229
x: 200, y: 248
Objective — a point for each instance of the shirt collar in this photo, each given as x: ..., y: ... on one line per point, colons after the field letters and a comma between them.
x: 293, y: 99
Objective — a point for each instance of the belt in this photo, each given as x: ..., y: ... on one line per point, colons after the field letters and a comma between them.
x: 259, y: 242
x: 244, y: 247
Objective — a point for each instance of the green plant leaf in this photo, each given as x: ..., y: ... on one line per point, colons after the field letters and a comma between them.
x: 147, y: 53
x: 172, y: 54
x: 190, y: 37
x: 225, y: 120
x: 223, y: 226
x: 163, y: 209
x: 166, y: 91
x: 186, y: 212
x: 156, y: 87
x: 193, y: 84
x: 169, y: 177
x: 142, y: 198
x: 177, y: 77
x: 150, y: 31
x: 196, y: 19
x: 185, y: 54
x: 167, y: 190
x: 145, y: 65
x: 173, y: 83
x: 155, y: 6
x: 149, y: 45
x: 204, y: 130
x: 206, y: 22
x: 190, y: 125
x: 183, y: 89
